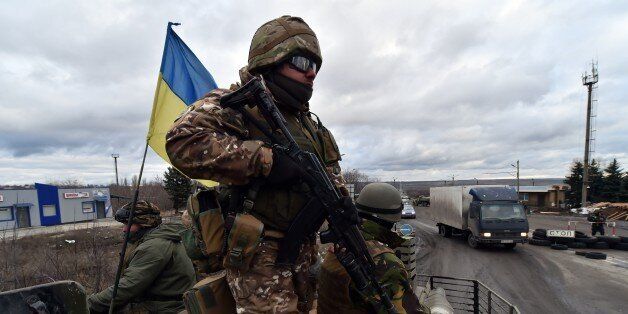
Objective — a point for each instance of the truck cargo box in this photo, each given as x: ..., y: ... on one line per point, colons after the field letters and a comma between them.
x: 449, y: 205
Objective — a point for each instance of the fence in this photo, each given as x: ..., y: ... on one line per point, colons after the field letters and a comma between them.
x: 468, y: 296
x: 407, y: 254
x: 611, y: 224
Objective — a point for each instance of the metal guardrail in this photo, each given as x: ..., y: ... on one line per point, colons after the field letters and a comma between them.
x: 468, y: 296
x: 611, y: 224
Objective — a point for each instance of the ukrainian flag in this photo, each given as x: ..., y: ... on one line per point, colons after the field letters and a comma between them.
x: 182, y: 80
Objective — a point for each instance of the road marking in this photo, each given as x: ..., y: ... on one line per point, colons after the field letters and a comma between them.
x: 617, y: 262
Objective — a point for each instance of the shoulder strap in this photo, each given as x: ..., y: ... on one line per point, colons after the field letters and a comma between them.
x: 377, y: 248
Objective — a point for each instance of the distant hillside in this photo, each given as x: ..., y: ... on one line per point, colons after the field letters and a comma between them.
x: 423, y: 187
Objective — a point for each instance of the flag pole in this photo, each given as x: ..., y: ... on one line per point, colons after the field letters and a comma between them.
x: 128, y: 233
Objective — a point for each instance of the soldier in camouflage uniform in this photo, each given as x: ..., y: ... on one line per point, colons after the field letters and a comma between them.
x: 379, y: 204
x: 216, y: 143
x: 157, y: 270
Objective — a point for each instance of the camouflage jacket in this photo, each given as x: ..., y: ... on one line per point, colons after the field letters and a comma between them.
x: 336, y: 292
x: 216, y: 143
x: 157, y: 272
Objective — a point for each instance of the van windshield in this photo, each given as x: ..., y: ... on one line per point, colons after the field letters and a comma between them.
x: 502, y: 211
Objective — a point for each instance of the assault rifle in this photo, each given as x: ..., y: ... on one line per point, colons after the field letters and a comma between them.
x: 326, y: 201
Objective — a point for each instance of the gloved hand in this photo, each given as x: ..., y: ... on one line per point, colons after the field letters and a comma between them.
x: 284, y: 170
x: 348, y: 208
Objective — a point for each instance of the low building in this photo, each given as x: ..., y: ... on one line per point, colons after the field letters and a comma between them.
x: 543, y: 196
x: 47, y: 205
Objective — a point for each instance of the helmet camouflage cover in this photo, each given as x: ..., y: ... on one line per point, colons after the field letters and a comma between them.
x: 380, y: 200
x: 146, y: 214
x: 276, y: 40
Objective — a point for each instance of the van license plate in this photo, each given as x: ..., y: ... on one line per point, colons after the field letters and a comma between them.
x: 507, y: 241
x: 561, y: 233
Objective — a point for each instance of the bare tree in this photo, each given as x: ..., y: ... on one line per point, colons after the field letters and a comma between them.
x: 354, y: 176
x: 358, y: 178
x: 66, y: 183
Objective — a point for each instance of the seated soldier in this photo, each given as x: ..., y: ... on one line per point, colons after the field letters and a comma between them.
x: 157, y: 270
x: 379, y: 204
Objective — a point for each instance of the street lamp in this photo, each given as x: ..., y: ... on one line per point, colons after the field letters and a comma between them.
x: 115, y: 162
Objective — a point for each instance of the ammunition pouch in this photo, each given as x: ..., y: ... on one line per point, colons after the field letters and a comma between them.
x: 244, y: 237
x: 210, y: 295
x: 209, y: 225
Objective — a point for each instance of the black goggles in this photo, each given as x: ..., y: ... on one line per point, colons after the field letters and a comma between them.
x: 302, y: 64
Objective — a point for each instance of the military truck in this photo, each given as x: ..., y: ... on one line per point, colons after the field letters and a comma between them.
x: 483, y: 214
x: 423, y: 201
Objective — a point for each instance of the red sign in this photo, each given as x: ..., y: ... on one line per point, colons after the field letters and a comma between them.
x: 76, y: 195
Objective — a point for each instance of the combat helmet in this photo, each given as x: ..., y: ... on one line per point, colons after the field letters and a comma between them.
x: 146, y: 214
x: 380, y: 200
x: 280, y: 38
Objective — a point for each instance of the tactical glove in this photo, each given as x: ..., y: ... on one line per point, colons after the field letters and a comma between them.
x: 348, y: 209
x: 284, y: 169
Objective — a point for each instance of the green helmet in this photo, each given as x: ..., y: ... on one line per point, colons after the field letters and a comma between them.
x: 380, y: 200
x: 280, y: 38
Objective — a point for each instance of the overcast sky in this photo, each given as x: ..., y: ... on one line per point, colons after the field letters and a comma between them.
x: 412, y: 90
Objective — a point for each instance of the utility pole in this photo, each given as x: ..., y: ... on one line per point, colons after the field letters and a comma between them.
x: 517, y: 167
x: 588, y: 81
x: 518, y: 183
x: 115, y: 162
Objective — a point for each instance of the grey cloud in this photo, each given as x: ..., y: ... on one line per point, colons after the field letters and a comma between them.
x: 414, y: 90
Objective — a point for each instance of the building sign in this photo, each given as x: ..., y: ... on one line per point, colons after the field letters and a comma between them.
x: 76, y: 195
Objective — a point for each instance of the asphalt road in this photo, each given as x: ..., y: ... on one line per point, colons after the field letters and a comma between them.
x: 535, y: 279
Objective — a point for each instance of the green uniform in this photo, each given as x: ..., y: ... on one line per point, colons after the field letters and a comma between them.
x: 336, y: 293
x: 157, y: 272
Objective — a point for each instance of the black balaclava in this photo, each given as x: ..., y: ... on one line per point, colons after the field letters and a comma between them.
x: 288, y: 92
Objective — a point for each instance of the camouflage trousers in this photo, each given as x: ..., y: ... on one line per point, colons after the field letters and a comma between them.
x: 267, y: 288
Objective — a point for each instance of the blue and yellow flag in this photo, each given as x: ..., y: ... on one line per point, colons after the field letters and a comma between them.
x: 182, y: 80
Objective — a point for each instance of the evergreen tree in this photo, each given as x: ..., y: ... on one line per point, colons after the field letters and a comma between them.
x: 612, y: 190
x: 596, y: 182
x: 178, y: 187
x: 625, y: 188
x: 573, y: 196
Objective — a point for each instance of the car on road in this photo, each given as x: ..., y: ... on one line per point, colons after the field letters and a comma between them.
x: 408, y: 211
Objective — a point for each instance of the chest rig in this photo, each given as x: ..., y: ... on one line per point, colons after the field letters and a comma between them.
x: 276, y: 206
